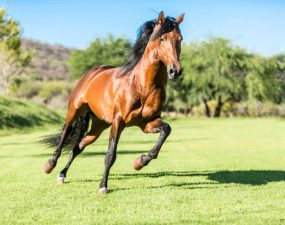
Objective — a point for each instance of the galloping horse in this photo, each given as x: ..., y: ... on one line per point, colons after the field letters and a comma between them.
x: 131, y: 95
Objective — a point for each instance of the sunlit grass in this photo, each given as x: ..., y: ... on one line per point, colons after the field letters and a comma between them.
x: 226, y: 171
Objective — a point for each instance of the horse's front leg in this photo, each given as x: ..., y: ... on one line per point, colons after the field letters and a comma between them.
x: 117, y: 127
x: 154, y: 126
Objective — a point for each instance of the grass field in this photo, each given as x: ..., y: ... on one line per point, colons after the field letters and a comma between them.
x: 226, y: 171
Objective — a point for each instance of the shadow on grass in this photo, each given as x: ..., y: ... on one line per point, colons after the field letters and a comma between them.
x: 87, y: 154
x: 179, y: 140
x: 218, y: 179
x: 253, y: 177
x: 249, y: 177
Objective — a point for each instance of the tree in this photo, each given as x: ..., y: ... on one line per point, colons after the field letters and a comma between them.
x: 12, y: 57
x: 280, y: 61
x: 9, y: 69
x: 265, y: 80
x: 109, y: 51
x: 215, y: 70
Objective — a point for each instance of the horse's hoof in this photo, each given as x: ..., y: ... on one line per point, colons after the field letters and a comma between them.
x: 137, y: 164
x: 103, y: 190
x: 60, y: 180
x: 48, y: 167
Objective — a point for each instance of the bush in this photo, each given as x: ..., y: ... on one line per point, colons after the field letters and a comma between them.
x: 27, y: 89
x: 52, y: 89
x: 259, y: 109
x: 45, y: 92
x: 243, y: 109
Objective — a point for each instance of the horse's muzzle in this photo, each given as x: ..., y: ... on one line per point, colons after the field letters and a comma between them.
x: 173, y: 73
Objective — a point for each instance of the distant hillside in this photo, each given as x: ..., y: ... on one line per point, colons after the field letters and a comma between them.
x: 49, y: 61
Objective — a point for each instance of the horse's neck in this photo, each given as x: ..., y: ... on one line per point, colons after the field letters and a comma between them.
x: 150, y: 74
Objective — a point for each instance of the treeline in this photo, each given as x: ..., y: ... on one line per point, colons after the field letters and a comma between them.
x: 226, y: 79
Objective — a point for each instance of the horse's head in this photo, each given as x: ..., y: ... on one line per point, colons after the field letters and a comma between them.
x: 166, y: 39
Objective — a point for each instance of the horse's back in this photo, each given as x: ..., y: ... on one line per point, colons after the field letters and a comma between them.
x: 78, y: 95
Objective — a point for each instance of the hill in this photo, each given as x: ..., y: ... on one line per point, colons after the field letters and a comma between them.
x: 16, y: 113
x: 49, y: 61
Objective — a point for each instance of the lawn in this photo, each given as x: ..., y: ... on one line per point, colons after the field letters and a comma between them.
x: 220, y: 171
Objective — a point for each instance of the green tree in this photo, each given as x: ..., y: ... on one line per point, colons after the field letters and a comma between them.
x: 12, y: 57
x: 108, y: 51
x: 276, y: 79
x: 265, y: 80
x: 215, y: 70
x: 281, y: 76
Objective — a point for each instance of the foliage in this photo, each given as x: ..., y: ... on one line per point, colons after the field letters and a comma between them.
x: 28, y: 89
x: 109, y: 51
x: 12, y: 57
x: 54, y: 94
x: 216, y: 70
x: 262, y: 81
x: 242, y: 109
x: 50, y: 89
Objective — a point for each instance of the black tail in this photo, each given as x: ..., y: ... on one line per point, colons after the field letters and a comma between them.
x: 75, y: 133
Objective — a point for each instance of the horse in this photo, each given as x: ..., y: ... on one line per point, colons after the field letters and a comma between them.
x: 130, y: 95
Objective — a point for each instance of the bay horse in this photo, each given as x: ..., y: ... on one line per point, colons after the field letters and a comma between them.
x: 131, y: 95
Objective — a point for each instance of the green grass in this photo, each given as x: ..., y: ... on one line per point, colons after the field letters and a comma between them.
x: 226, y: 171
x: 22, y: 114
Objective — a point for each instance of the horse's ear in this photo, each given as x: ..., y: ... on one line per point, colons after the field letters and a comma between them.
x: 161, y: 18
x: 180, y: 18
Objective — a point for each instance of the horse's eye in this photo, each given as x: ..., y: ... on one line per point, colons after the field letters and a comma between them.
x: 162, y: 39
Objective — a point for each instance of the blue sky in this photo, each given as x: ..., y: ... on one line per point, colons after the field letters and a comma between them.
x: 257, y: 25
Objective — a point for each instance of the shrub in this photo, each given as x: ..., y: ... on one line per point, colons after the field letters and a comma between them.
x: 52, y: 89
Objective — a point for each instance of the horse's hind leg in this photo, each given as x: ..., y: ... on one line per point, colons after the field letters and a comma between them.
x: 94, y: 133
x: 51, y: 163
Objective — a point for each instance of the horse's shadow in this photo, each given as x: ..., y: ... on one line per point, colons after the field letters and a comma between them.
x: 249, y: 177
x: 88, y: 154
x: 214, y: 179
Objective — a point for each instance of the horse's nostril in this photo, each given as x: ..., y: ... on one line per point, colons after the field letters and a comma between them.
x: 171, y: 71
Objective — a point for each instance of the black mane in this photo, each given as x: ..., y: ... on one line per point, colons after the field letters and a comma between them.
x: 143, y: 35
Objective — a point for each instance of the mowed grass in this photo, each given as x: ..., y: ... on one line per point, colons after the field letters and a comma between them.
x: 218, y: 171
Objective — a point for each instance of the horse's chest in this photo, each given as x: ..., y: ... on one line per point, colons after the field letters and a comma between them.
x: 145, y: 108
x: 153, y: 104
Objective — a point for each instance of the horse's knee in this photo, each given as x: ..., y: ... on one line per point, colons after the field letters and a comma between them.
x: 166, y: 128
